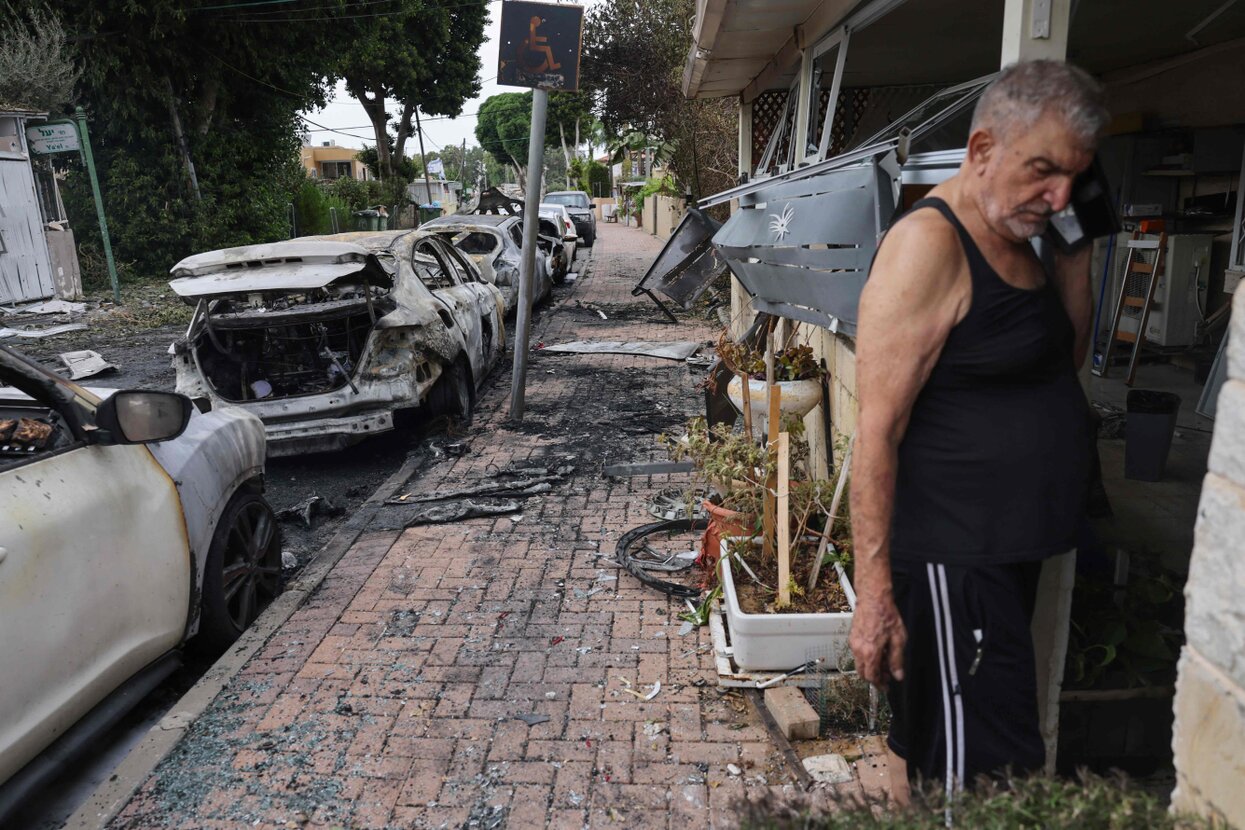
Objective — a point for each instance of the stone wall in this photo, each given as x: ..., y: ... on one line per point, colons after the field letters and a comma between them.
x: 1209, y: 739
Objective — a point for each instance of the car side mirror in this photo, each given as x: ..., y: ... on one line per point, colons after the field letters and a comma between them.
x: 141, y: 417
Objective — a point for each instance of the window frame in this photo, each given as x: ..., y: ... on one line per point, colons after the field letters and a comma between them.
x: 840, y: 38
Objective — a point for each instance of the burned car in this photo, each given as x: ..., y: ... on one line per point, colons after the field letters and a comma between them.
x: 495, y: 244
x: 133, y: 523
x: 326, y: 339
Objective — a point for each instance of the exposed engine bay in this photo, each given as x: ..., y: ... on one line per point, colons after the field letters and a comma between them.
x: 265, y: 345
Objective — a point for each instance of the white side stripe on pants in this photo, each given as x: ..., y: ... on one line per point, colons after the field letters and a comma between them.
x: 952, y: 704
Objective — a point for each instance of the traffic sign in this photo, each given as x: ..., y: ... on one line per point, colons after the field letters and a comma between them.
x: 540, y: 45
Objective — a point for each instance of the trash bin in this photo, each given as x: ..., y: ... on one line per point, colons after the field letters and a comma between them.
x: 366, y: 220
x: 427, y: 213
x: 1148, y: 431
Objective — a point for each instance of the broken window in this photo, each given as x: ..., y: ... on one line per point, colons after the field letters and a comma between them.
x: 823, y: 91
x: 476, y: 242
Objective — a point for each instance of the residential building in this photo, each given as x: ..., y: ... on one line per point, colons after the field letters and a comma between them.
x: 329, y: 161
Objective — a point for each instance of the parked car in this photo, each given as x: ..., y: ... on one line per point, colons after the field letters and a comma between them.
x: 579, y: 206
x: 558, y: 215
x: 495, y: 244
x: 327, y: 338
x: 133, y: 522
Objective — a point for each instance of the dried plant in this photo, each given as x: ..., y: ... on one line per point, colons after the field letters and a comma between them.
x: 37, y: 68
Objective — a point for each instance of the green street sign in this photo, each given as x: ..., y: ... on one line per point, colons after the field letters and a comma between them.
x: 53, y: 137
x: 540, y: 45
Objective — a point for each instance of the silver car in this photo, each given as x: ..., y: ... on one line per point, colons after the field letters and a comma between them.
x: 132, y: 522
x: 327, y: 338
x: 495, y: 244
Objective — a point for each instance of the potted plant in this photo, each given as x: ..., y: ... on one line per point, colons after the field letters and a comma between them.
x: 797, y: 375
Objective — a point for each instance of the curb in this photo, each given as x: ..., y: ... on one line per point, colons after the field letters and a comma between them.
x: 110, y: 797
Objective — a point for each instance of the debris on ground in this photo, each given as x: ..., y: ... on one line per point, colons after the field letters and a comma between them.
x: 457, y: 511
x: 828, y: 769
x: 51, y: 331
x: 672, y: 503
x: 532, y: 719
x: 288, y: 560
x: 85, y: 364
x: 530, y: 482
x: 1110, y: 420
x: 51, y: 307
x: 674, y: 350
x: 307, y: 509
x: 448, y: 449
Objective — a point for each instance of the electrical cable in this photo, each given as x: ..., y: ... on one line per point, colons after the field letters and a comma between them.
x: 631, y: 537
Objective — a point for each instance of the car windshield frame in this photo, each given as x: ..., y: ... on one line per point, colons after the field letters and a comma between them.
x: 74, y: 403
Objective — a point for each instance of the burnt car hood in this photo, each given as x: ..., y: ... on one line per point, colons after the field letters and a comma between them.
x: 297, y: 265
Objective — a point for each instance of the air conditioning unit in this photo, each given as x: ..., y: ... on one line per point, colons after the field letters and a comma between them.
x: 1179, y: 297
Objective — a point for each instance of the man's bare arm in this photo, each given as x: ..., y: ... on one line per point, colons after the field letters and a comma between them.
x: 917, y: 291
x: 1073, y: 283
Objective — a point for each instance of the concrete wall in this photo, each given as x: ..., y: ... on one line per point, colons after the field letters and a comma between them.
x: 662, y: 215
x: 1209, y: 739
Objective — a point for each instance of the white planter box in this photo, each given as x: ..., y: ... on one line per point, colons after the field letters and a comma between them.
x: 777, y: 642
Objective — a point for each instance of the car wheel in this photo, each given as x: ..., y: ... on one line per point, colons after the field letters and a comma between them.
x: 452, y: 393
x: 590, y: 237
x: 243, y: 573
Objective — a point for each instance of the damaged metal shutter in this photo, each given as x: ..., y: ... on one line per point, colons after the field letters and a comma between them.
x: 802, y: 248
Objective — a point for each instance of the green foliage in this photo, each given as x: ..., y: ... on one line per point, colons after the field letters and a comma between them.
x: 1127, y: 638
x: 591, y: 177
x: 663, y: 186
x: 404, y: 168
x: 503, y: 126
x: 1035, y: 803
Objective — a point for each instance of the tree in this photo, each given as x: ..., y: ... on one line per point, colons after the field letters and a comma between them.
x: 567, y: 112
x: 234, y: 80
x: 423, y: 54
x: 633, y: 58
x: 503, y: 127
x: 37, y: 64
x: 404, y: 168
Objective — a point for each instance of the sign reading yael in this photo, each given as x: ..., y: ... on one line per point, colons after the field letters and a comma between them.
x: 54, y: 137
x: 540, y: 45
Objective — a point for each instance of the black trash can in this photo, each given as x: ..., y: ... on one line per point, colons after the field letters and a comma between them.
x: 1148, y: 433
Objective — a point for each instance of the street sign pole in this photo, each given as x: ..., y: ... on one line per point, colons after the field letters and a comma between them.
x: 527, y: 272
x: 89, y: 158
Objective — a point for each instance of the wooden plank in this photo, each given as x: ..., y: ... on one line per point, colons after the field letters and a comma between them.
x: 1139, y: 267
x: 1135, y: 302
x: 784, y: 520
x: 747, y: 396
x: 772, y: 396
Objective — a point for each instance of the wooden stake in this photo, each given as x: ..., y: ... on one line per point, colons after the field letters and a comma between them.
x: 747, y: 395
x: 844, y: 470
x: 773, y: 397
x: 784, y: 520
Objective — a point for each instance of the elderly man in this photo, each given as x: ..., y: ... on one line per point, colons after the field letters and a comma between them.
x: 971, y: 445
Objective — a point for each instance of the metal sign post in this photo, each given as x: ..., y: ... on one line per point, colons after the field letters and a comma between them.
x: 540, y: 45
x: 89, y: 158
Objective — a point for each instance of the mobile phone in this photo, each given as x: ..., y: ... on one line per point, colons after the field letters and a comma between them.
x: 1089, y: 215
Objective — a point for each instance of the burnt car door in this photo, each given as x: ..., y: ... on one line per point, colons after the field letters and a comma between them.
x: 478, y: 325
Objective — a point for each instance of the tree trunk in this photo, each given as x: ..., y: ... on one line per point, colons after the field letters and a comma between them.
x: 183, y: 146
x: 566, y: 154
x: 374, y: 106
x: 519, y: 173
x: 207, y: 105
x: 404, y: 132
x: 577, y: 142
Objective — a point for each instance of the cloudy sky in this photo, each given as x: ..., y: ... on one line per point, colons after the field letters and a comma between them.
x: 344, y: 114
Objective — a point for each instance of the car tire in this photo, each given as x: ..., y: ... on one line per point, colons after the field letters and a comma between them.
x: 590, y: 237
x: 243, y: 572
x: 452, y: 394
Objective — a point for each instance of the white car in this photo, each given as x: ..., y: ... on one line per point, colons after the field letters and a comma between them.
x: 495, y: 244
x: 327, y: 339
x: 132, y: 522
x: 570, y: 238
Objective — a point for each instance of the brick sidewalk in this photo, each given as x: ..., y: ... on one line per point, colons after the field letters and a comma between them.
x: 388, y: 699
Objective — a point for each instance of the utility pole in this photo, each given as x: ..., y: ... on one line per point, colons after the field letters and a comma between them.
x: 422, y: 160
x: 527, y: 271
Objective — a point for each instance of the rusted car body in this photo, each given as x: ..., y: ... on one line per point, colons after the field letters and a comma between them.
x: 327, y: 338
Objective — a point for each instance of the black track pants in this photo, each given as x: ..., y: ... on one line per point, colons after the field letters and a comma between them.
x: 968, y: 703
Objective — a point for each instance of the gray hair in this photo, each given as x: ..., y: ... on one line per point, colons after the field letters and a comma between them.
x: 1024, y: 92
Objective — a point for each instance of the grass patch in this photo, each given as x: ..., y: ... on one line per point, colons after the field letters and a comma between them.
x: 1036, y: 803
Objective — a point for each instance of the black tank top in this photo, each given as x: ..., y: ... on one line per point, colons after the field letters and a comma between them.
x: 994, y: 466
